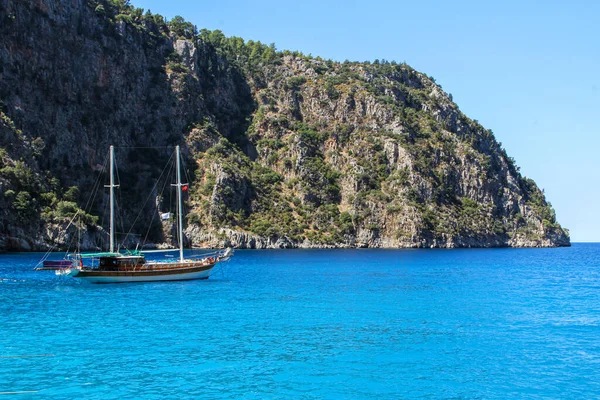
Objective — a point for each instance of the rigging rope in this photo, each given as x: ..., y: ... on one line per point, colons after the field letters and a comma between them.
x: 47, y: 254
x: 171, y: 202
x: 94, y: 192
x: 95, y: 187
x: 171, y: 166
x: 144, y: 147
x: 119, y: 215
x: 98, y: 182
x: 146, y: 202
x: 90, y: 201
x: 104, y: 212
x: 188, y: 179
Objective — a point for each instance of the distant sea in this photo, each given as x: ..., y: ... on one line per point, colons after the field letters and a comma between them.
x: 313, y: 324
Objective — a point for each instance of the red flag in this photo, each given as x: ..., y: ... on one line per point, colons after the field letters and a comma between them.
x: 184, y: 188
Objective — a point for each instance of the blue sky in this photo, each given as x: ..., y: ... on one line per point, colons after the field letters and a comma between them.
x: 525, y: 69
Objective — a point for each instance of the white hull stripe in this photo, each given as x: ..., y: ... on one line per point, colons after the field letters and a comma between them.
x: 147, y: 278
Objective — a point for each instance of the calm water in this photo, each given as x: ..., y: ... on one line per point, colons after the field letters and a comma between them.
x: 500, y: 323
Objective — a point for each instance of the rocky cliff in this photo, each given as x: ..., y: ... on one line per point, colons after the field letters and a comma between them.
x: 282, y: 150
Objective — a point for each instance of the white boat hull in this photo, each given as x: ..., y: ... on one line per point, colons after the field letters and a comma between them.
x: 150, y: 275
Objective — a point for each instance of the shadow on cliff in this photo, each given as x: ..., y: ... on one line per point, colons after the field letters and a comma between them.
x: 228, y: 96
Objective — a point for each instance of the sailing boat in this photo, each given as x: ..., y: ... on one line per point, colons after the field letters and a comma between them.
x: 115, y: 267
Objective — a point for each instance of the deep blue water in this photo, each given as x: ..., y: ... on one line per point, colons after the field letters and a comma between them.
x: 489, y: 324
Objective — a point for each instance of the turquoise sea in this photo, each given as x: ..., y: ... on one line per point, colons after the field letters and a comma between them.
x: 312, y: 324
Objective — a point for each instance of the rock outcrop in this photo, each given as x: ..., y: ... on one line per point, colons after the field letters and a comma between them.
x: 283, y: 150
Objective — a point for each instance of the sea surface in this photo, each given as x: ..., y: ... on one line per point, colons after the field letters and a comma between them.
x: 313, y: 324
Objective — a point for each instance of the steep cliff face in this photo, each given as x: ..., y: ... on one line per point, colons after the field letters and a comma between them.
x: 284, y: 150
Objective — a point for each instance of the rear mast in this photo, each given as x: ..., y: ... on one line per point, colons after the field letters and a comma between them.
x: 179, y: 205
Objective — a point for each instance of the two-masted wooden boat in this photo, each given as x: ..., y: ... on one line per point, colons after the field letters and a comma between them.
x: 117, y: 267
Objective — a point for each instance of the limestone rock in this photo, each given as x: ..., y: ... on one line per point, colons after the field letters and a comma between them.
x: 282, y: 150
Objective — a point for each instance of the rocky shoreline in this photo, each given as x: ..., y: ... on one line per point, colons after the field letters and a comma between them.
x: 246, y: 240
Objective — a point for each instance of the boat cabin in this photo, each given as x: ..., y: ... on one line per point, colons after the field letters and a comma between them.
x: 118, y: 263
